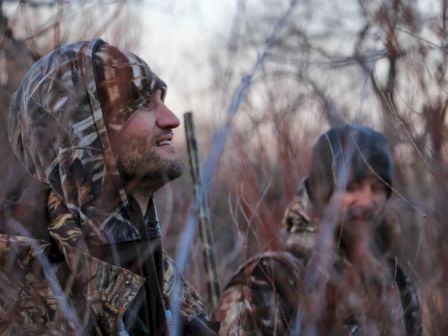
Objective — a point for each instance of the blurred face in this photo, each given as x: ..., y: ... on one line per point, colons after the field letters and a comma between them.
x: 364, y: 200
x: 362, y: 207
x: 144, y: 146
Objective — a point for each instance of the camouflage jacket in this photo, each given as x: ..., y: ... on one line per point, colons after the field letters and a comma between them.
x: 42, y: 294
x: 59, y: 132
x: 263, y: 297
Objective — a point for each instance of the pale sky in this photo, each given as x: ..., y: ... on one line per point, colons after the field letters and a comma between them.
x: 174, y: 37
x: 179, y: 35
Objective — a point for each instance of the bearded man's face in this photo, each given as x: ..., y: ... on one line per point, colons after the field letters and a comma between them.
x: 362, y: 207
x: 144, y: 145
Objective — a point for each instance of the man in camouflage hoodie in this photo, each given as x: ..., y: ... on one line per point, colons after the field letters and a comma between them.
x: 89, y: 121
x: 336, y: 276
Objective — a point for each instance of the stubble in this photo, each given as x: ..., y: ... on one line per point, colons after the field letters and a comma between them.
x: 141, y: 163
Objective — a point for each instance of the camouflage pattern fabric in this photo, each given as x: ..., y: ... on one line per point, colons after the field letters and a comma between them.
x: 28, y: 303
x: 33, y: 302
x: 262, y: 298
x: 58, y: 130
x: 300, y: 224
x: 191, y: 304
x: 110, y: 289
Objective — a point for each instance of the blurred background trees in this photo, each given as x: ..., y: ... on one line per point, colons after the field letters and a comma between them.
x: 381, y: 63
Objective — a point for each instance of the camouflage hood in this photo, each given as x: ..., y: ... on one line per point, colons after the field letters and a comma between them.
x: 59, y: 130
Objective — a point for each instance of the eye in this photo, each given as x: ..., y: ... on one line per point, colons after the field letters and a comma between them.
x: 134, y: 92
x: 148, y: 102
x: 378, y: 187
x: 154, y: 97
x: 146, y: 99
x: 163, y: 94
x: 353, y: 186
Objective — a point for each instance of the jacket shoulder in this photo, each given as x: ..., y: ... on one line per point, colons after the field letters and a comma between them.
x: 262, y: 297
x: 28, y: 303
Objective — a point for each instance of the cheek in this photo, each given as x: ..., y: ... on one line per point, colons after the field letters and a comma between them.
x: 380, y: 201
x: 133, y: 140
x: 141, y: 124
x: 346, y: 201
x: 132, y: 151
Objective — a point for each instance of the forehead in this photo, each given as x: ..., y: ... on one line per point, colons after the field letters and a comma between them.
x: 371, y: 180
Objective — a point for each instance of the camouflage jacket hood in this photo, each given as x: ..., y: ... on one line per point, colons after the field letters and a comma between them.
x: 58, y: 131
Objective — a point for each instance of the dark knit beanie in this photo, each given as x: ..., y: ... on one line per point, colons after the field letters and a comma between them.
x: 124, y: 83
x: 359, y: 149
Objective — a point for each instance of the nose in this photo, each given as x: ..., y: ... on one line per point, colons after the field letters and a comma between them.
x: 166, y: 118
x: 365, y: 197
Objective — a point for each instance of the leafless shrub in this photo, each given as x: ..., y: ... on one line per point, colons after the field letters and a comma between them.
x: 379, y: 63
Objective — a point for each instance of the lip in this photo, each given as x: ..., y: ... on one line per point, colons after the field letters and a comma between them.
x: 164, y: 139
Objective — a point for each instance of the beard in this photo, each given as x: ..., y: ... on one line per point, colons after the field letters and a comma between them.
x: 360, y: 219
x: 141, y: 164
x: 154, y: 169
x: 359, y: 227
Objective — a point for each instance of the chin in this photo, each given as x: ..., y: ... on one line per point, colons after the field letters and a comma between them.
x: 168, y: 170
x: 174, y: 173
x: 362, y: 222
x: 169, y: 153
